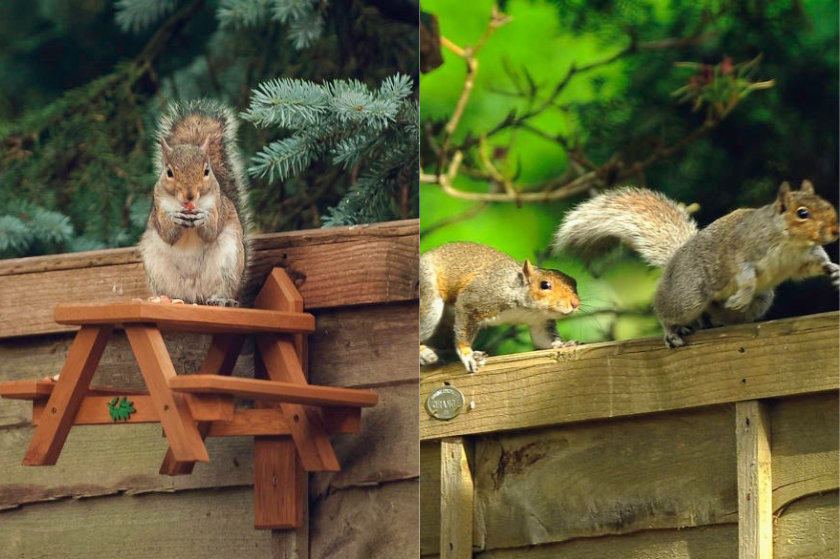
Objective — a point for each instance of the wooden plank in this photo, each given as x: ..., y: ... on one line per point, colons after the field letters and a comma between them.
x: 38, y: 389
x: 808, y: 528
x: 93, y: 410
x: 365, y: 346
x: 156, y: 366
x: 805, y: 457
x: 615, y: 379
x: 713, y: 542
x: 755, y: 484
x: 598, y: 479
x: 273, y: 390
x: 141, y: 526
x: 378, y: 265
x: 67, y: 395
x: 186, y: 318
x: 210, y: 407
x: 98, y: 461
x: 456, y: 500
x: 274, y: 506
x: 430, y: 498
x: 367, y: 522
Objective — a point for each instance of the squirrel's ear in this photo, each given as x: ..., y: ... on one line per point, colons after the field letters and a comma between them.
x: 206, y: 145
x: 807, y: 187
x: 165, y: 149
x: 528, y: 270
x: 783, y: 199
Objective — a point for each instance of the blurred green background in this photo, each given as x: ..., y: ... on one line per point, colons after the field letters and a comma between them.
x: 624, y: 111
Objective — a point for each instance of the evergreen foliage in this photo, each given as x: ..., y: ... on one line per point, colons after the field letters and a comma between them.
x: 303, y: 18
x: 374, y: 132
x: 80, y: 98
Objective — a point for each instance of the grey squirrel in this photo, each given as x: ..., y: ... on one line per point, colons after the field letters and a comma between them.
x: 194, y: 247
x: 726, y: 271
x: 468, y: 285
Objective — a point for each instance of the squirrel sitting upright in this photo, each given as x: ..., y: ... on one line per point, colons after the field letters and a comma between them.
x: 726, y: 271
x: 194, y: 246
x: 469, y: 285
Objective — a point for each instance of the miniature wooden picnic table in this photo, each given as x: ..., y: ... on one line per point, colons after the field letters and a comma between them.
x: 291, y: 419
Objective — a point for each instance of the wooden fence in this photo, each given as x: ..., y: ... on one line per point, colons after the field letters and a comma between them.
x: 726, y: 448
x: 105, y: 497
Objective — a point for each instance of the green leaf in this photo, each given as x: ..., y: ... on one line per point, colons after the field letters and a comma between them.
x: 121, y: 409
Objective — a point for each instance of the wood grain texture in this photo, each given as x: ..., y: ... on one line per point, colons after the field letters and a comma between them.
x: 99, y: 461
x: 755, y: 483
x: 751, y: 361
x: 376, y: 522
x: 805, y: 457
x: 456, y: 500
x: 185, y: 318
x: 430, y: 498
x: 213, y: 524
x: 273, y: 390
x: 378, y: 264
x: 67, y: 396
x: 710, y: 542
x: 348, y: 340
x: 606, y: 478
x: 808, y: 528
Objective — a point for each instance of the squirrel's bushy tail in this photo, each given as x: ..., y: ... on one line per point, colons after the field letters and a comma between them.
x: 646, y: 221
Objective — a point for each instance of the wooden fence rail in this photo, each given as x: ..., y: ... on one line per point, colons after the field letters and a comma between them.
x: 736, y: 427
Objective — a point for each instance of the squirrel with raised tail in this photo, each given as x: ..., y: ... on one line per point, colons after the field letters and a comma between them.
x: 466, y: 286
x: 194, y: 247
x: 726, y: 271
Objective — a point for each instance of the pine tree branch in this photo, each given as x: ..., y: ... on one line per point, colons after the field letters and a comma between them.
x: 163, y: 36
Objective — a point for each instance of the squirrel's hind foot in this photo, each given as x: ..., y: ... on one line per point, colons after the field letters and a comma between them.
x: 221, y: 302
x: 675, y: 335
x: 427, y: 356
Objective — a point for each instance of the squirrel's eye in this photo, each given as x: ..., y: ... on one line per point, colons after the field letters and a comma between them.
x: 207, y: 171
x: 545, y: 284
x: 802, y: 213
x: 169, y: 172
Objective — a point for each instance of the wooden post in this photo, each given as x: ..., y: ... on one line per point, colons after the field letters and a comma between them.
x: 67, y: 396
x: 278, y: 505
x: 456, y: 500
x: 755, y: 487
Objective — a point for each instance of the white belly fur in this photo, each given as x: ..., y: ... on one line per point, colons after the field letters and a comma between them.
x: 191, y: 269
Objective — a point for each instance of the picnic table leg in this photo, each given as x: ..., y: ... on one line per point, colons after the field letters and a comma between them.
x: 220, y: 360
x: 67, y: 396
x: 175, y: 417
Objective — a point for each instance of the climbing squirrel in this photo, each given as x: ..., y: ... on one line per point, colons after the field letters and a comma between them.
x: 724, y: 273
x: 466, y: 286
x: 194, y: 247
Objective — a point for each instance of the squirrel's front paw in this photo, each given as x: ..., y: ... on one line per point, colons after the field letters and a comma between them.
x: 740, y: 300
x: 189, y: 219
x: 556, y: 344
x: 472, y: 360
x: 832, y: 270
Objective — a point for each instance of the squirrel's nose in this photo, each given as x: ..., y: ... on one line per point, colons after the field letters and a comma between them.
x: 190, y: 196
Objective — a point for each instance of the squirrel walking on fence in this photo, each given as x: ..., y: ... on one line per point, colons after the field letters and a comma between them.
x: 726, y: 271
x: 194, y: 247
x: 466, y: 286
